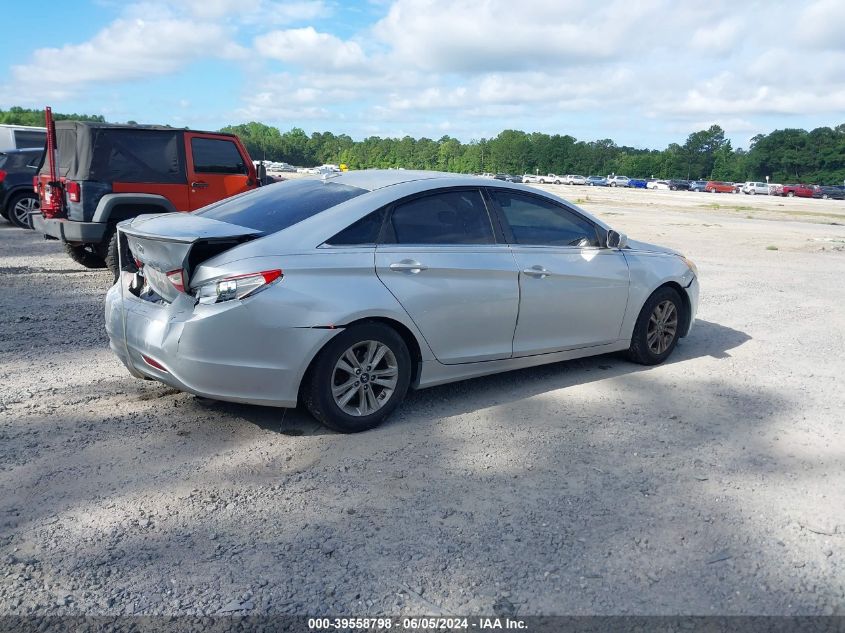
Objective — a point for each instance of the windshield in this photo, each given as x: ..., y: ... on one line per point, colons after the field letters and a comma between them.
x: 276, y: 207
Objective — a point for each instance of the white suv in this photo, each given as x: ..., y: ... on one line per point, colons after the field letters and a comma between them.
x: 754, y: 188
x: 618, y: 181
x: 574, y: 179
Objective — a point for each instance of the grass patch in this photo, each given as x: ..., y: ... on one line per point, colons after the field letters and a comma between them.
x: 582, y: 200
x: 771, y: 247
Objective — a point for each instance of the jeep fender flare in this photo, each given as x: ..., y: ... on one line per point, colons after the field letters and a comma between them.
x: 109, y: 208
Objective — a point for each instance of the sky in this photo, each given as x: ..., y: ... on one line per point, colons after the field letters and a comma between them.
x: 644, y: 73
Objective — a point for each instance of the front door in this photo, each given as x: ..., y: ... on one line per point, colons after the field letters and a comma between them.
x: 216, y: 169
x: 573, y: 292
x: 440, y: 259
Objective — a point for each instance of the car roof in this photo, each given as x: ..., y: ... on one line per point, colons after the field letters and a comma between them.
x: 372, y: 179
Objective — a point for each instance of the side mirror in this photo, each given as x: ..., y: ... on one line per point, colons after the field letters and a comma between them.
x: 616, y: 239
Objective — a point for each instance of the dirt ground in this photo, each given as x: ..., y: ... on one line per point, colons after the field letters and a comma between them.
x: 714, y: 483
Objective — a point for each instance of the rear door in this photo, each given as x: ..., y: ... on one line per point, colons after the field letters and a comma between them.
x: 217, y: 168
x: 573, y: 291
x: 440, y: 258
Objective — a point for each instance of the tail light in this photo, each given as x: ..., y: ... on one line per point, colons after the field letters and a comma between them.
x: 2, y: 175
x: 177, y: 278
x: 237, y: 286
x: 73, y: 190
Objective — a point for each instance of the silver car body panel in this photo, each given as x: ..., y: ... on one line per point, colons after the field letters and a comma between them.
x: 464, y: 301
x: 471, y: 310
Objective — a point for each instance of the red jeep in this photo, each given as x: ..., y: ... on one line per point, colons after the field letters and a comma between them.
x: 95, y: 174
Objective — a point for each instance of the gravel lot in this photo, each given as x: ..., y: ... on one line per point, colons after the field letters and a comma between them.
x: 712, y: 484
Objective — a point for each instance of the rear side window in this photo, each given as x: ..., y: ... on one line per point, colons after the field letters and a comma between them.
x: 30, y: 138
x: 276, y: 207
x: 447, y: 217
x: 217, y: 156
x: 364, y: 231
x: 539, y: 222
x: 126, y: 155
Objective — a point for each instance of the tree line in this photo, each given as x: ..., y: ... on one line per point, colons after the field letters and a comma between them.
x: 787, y: 155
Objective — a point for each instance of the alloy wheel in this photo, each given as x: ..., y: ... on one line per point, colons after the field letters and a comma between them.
x: 364, y: 378
x: 22, y: 210
x: 662, y: 327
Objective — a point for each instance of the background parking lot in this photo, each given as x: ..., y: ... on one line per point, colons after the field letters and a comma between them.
x: 711, y: 484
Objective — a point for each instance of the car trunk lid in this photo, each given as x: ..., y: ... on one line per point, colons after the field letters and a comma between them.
x: 163, y: 250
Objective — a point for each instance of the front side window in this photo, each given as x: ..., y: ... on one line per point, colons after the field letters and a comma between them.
x: 217, y: 156
x: 446, y: 217
x: 539, y: 222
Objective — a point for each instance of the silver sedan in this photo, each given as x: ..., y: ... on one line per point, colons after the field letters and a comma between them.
x: 343, y: 293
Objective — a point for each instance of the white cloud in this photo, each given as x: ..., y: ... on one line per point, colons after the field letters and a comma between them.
x: 123, y: 51
x: 310, y: 49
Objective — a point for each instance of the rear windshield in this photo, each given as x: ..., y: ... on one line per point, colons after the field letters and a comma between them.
x: 276, y: 207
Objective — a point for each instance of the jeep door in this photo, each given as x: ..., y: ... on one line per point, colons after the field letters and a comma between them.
x: 217, y: 168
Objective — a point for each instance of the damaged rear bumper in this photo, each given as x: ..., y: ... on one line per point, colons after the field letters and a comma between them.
x: 237, y: 352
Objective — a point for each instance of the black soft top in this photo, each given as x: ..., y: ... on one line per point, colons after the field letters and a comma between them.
x: 108, y: 152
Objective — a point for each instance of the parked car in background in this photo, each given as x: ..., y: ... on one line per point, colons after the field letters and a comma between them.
x: 550, y: 179
x: 514, y: 179
x: 755, y: 188
x: 825, y: 192
x: 596, y: 181
x: 574, y: 179
x: 501, y: 176
x: 530, y: 178
x: 247, y: 301
x: 109, y: 173
x: 698, y: 185
x: 618, y: 181
x: 18, y: 200
x: 797, y: 191
x: 717, y: 186
x: 637, y: 183
x: 679, y: 185
x: 21, y: 137
x: 657, y: 184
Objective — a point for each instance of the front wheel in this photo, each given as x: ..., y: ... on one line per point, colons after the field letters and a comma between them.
x: 359, y: 378
x: 658, y: 328
x: 791, y: 194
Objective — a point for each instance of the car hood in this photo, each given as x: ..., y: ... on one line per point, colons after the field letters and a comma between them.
x: 645, y: 247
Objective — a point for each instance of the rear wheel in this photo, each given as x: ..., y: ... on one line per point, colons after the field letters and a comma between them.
x: 109, y: 253
x: 21, y: 207
x: 658, y: 328
x: 85, y: 255
x: 359, y: 378
x: 791, y: 194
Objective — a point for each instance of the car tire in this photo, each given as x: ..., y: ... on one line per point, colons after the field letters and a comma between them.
x: 84, y: 255
x: 752, y: 193
x: 109, y: 252
x: 791, y: 194
x: 360, y: 407
x: 20, y: 207
x: 658, y: 327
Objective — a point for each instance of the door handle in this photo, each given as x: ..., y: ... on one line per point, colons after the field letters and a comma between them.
x: 408, y: 266
x: 199, y: 185
x: 536, y: 271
